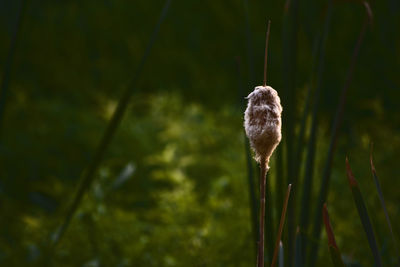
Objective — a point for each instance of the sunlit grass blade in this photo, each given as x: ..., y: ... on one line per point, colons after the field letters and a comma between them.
x: 110, y: 131
x: 333, y: 248
x: 324, y: 188
x: 363, y: 214
x: 5, y: 81
x: 281, y: 224
x: 382, y: 200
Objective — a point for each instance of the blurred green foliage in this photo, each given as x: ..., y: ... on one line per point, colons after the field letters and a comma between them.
x: 172, y: 189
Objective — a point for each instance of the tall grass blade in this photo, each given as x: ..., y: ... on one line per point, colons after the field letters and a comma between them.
x: 383, y: 204
x: 333, y: 248
x: 110, y: 131
x: 249, y: 163
x: 363, y: 214
x: 290, y: 31
x: 310, y: 157
x: 281, y: 224
x: 324, y: 188
x: 309, y: 169
x: 5, y: 81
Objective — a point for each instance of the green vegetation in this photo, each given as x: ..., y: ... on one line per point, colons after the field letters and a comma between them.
x: 172, y: 187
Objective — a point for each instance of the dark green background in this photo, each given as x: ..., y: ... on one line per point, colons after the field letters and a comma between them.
x: 186, y: 202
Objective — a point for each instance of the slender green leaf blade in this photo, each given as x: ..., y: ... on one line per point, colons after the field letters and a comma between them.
x: 324, y: 188
x: 383, y: 204
x: 363, y: 214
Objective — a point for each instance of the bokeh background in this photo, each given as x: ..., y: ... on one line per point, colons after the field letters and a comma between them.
x: 173, y: 186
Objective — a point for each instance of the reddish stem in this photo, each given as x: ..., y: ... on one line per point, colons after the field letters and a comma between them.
x: 266, y: 55
x: 261, y: 241
x: 281, y: 224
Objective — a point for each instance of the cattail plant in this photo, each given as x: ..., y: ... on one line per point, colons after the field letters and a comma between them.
x: 262, y: 123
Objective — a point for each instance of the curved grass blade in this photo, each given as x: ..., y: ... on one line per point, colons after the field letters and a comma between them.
x: 382, y: 200
x: 110, y: 131
x: 281, y: 224
x: 333, y: 248
x: 363, y: 214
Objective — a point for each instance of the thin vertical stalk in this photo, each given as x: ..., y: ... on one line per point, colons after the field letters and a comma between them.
x: 268, y: 220
x: 266, y: 54
x: 383, y: 204
x: 261, y: 242
x: 363, y: 214
x: 279, y: 182
x: 332, y: 146
x: 300, y: 143
x: 269, y: 226
x: 5, y: 82
x: 309, y: 169
x: 289, y: 80
x: 249, y: 163
x: 251, y: 75
x: 252, y: 193
x: 312, y: 139
x: 110, y: 131
x: 281, y: 223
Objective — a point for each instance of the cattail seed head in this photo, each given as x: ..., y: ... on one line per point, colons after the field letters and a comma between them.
x: 262, y: 122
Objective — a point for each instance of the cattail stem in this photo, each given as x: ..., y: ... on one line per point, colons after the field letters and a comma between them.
x: 266, y: 55
x: 263, y: 172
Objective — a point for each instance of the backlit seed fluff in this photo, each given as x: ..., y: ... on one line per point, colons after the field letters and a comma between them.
x: 262, y: 121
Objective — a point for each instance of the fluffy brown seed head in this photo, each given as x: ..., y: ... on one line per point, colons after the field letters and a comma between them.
x: 262, y: 121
